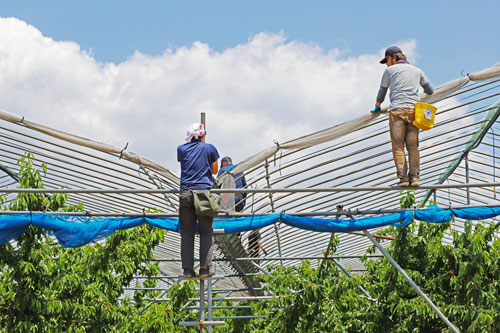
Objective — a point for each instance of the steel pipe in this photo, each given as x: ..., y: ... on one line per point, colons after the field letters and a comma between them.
x: 413, y: 284
x: 257, y: 190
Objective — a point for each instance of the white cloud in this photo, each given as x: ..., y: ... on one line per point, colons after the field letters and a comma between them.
x: 267, y: 88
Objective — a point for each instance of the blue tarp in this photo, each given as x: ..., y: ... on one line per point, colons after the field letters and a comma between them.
x: 72, y: 231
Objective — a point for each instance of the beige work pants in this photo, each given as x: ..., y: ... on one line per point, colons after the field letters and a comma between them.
x: 404, y: 132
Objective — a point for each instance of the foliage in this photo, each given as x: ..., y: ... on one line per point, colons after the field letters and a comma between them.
x: 461, y: 277
x: 46, y: 287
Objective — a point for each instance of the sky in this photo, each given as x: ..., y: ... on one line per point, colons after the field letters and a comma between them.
x: 141, y: 72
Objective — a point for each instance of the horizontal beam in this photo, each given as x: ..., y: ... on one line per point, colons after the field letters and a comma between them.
x: 177, y: 276
x: 232, y: 298
x: 336, y: 213
x: 255, y: 190
x: 213, y: 291
x: 282, y: 258
x: 202, y: 323
x: 222, y: 307
x: 240, y: 317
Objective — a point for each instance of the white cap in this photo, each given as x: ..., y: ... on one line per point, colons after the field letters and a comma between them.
x: 195, y: 130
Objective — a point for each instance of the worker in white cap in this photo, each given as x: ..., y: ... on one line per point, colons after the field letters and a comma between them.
x: 198, y: 163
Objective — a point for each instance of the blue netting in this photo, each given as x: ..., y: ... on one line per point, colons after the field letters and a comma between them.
x: 72, y: 231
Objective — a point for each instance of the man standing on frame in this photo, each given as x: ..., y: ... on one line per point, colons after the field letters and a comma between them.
x: 404, y: 81
x: 198, y: 163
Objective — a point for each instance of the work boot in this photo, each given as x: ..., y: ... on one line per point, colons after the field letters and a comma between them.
x: 189, y: 273
x: 414, y: 182
x: 205, y: 272
x: 403, y: 182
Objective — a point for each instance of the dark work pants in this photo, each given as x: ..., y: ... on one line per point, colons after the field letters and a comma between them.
x: 187, y: 221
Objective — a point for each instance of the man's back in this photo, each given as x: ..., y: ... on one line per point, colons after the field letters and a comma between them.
x: 404, y: 81
x: 196, y: 158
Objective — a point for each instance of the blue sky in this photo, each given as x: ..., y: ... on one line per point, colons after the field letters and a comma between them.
x: 452, y: 35
x: 142, y: 71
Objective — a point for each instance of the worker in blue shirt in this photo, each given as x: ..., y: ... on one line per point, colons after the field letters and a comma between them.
x: 239, y: 179
x: 198, y: 162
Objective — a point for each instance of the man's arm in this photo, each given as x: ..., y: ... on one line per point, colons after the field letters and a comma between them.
x: 428, y: 88
x: 382, y: 91
x: 261, y: 246
x: 215, y: 167
x: 381, y: 95
x: 424, y: 82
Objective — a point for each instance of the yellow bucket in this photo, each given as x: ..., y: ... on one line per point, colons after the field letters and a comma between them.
x: 424, y: 116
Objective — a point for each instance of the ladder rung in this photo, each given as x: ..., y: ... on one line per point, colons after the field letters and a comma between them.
x: 202, y: 323
x: 214, y: 277
x: 215, y: 231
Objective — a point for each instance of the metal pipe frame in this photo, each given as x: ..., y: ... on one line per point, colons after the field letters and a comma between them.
x: 260, y: 190
x: 467, y: 134
x: 221, y: 307
x: 232, y: 298
x: 241, y: 317
x: 381, y: 131
x: 332, y: 257
x: 276, y: 229
x: 349, y: 212
x: 379, y: 121
x: 388, y: 169
x: 413, y: 284
x: 447, y: 136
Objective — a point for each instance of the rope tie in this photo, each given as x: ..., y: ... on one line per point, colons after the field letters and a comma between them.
x: 281, y: 153
x: 494, y: 188
x: 22, y: 119
x: 449, y: 199
x: 121, y: 152
x: 253, y: 199
x: 143, y: 216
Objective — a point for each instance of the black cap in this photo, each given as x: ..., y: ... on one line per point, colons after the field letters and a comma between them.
x: 390, y: 51
x: 225, y: 159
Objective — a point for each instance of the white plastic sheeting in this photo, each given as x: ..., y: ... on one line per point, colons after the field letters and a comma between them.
x: 103, y: 147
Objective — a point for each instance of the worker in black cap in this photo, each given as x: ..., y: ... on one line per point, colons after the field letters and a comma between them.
x: 404, y: 81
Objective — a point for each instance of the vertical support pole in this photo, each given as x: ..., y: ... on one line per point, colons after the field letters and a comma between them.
x: 276, y: 231
x: 413, y: 284
x: 202, y: 303
x: 209, y: 305
x: 350, y: 276
x: 204, y: 122
x: 466, y: 157
x: 493, y: 145
x: 269, y: 186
